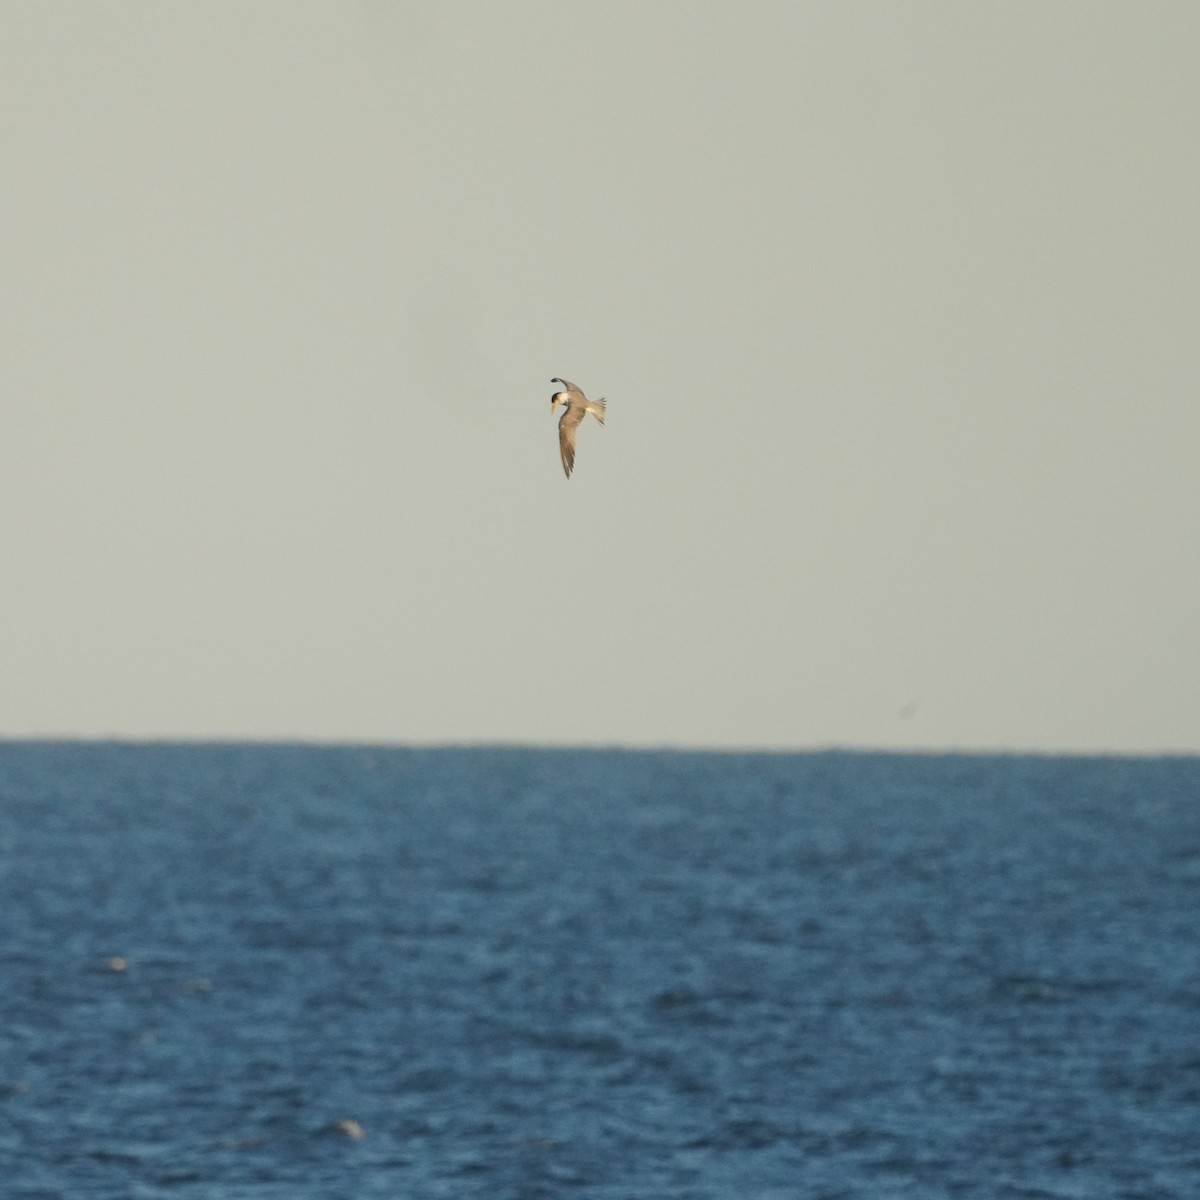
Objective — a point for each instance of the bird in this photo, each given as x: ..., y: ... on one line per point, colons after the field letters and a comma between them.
x: 576, y: 406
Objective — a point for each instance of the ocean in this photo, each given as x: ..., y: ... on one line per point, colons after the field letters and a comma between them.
x: 301, y: 972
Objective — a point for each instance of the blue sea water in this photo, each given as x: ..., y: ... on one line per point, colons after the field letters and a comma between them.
x: 305, y: 972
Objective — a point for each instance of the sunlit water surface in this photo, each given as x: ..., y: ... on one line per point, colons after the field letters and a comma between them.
x: 301, y: 972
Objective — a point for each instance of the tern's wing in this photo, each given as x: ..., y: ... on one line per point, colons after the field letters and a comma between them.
x: 569, y: 387
x: 566, y: 437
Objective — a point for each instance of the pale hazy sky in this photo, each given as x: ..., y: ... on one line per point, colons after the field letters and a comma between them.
x: 896, y: 307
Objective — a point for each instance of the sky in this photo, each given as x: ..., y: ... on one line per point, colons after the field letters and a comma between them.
x: 895, y: 307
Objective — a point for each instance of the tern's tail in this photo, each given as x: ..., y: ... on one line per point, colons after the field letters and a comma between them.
x: 596, y: 408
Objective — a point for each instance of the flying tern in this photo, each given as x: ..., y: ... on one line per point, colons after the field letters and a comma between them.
x: 576, y: 406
